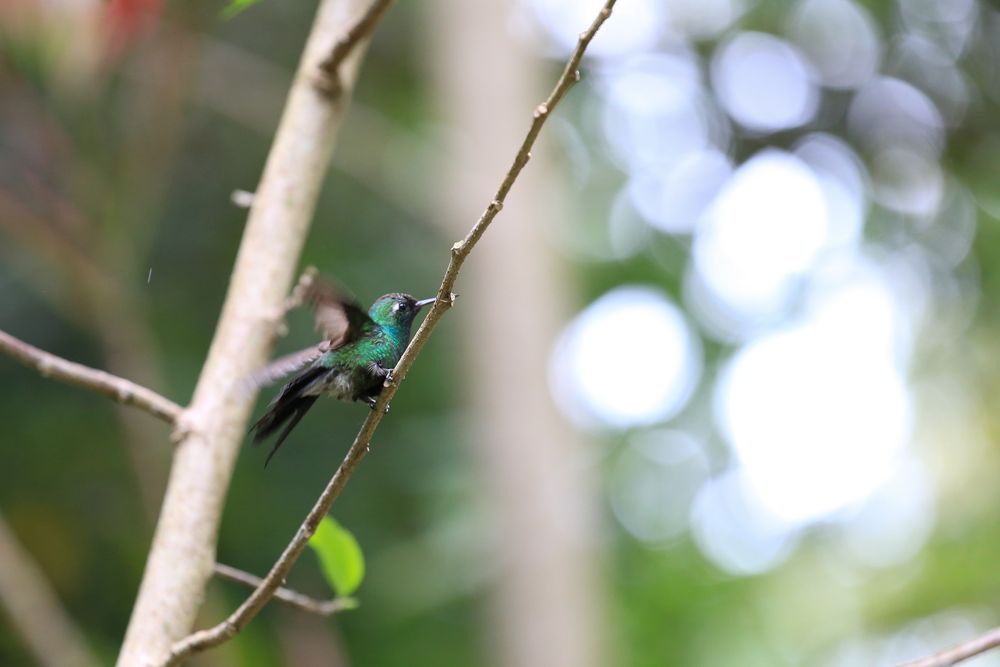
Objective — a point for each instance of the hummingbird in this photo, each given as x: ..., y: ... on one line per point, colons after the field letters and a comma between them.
x: 352, y: 363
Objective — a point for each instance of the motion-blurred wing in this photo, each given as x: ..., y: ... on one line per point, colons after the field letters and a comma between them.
x: 288, y: 364
x: 338, y: 316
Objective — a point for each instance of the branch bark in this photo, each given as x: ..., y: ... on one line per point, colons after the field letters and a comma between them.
x: 286, y: 595
x: 211, y: 431
x: 232, y: 625
x: 116, y: 388
x: 960, y: 653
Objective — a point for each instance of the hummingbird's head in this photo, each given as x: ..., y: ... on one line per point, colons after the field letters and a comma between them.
x: 397, y: 310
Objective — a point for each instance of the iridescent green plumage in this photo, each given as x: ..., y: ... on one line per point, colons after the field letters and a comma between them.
x: 351, y: 364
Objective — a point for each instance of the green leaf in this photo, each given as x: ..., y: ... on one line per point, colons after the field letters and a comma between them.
x: 339, y: 555
x: 235, y: 7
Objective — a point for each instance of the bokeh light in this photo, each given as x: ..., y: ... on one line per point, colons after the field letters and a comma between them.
x: 888, y: 112
x: 654, y: 482
x: 894, y: 523
x: 764, y: 83
x: 844, y: 182
x: 735, y: 531
x: 630, y: 358
x: 655, y: 114
x: 766, y: 226
x: 638, y: 25
x: 673, y: 197
x: 840, y: 40
x: 701, y: 19
x: 818, y: 411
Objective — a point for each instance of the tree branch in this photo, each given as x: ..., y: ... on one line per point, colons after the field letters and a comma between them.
x: 286, y: 595
x: 212, y: 429
x: 116, y: 388
x: 960, y: 653
x: 204, y: 639
x: 329, y: 81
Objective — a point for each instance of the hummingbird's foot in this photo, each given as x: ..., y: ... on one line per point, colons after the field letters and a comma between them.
x: 378, y: 370
x: 373, y: 402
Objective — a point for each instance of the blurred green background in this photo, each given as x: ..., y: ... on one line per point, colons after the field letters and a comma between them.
x: 719, y: 389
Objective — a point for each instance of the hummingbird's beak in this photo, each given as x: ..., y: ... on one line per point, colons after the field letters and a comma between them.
x: 425, y: 302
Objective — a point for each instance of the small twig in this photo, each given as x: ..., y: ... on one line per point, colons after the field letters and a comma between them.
x: 329, y: 81
x: 203, y: 639
x: 286, y: 595
x: 116, y: 388
x: 960, y: 653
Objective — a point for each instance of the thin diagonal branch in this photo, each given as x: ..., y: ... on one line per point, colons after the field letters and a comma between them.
x: 330, y: 67
x: 960, y: 653
x: 116, y: 388
x: 231, y: 626
x: 286, y: 595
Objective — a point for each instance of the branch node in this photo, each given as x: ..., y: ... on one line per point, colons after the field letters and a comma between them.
x: 328, y: 82
x: 541, y: 110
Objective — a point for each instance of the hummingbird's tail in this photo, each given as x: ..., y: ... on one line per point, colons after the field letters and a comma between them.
x: 286, y: 409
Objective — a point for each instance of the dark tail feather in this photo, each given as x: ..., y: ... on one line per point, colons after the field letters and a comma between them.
x: 289, y: 406
x: 298, y: 408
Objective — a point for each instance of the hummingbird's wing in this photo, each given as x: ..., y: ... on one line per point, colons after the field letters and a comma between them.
x: 338, y: 316
x: 288, y: 364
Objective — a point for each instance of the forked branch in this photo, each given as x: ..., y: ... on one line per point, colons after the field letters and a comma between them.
x: 330, y: 67
x: 201, y: 640
x: 286, y: 595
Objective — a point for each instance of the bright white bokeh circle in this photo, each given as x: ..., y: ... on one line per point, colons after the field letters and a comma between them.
x: 766, y: 226
x: 630, y: 358
x: 654, y: 110
x: 764, y: 83
x: 819, y: 412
